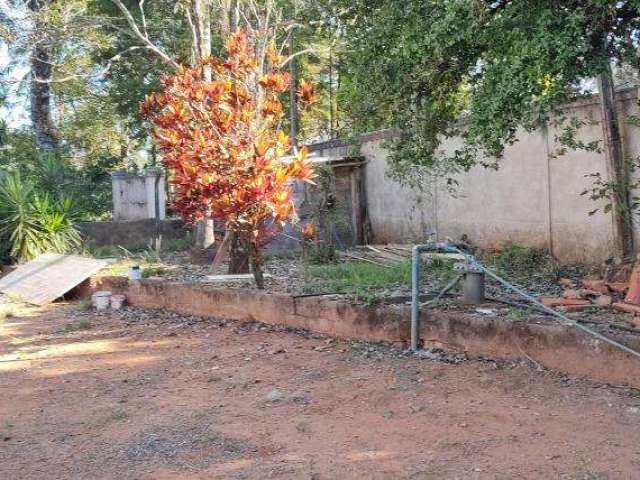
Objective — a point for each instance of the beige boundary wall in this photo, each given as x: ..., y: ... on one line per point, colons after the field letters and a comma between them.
x: 533, y: 199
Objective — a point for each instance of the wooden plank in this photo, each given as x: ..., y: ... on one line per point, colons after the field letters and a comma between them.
x: 363, y: 259
x: 395, y: 253
x: 49, y: 276
x: 385, y: 256
x: 239, y: 277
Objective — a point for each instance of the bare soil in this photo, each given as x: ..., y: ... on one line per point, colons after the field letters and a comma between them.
x: 151, y: 395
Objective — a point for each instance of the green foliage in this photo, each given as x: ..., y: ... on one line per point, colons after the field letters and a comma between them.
x: 365, y: 282
x: 85, y: 305
x: 318, y: 253
x: 32, y: 223
x: 153, y: 271
x: 603, y: 189
x: 475, y: 69
x: 54, y: 174
x: 518, y: 259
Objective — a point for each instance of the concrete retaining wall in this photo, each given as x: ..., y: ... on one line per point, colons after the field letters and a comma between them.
x: 555, y: 346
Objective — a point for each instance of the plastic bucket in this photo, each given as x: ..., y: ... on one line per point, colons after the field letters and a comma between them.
x: 135, y: 273
x: 101, y: 300
x: 117, y: 301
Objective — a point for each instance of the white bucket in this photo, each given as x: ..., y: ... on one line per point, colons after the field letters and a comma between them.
x: 135, y: 273
x: 101, y: 300
x: 117, y: 301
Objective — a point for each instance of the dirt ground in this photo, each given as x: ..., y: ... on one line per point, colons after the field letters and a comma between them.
x: 149, y: 395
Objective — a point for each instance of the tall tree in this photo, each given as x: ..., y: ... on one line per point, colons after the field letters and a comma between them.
x: 40, y: 80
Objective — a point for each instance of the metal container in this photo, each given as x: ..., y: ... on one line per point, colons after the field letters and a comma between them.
x: 473, y: 287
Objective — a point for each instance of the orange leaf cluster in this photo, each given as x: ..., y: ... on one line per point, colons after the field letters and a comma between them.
x: 222, y: 142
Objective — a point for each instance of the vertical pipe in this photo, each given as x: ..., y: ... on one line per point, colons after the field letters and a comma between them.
x: 415, y: 298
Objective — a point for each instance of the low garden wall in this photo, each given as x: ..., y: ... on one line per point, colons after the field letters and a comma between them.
x: 554, y: 346
x: 130, y: 232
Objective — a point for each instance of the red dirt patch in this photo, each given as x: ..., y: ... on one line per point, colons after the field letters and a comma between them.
x: 147, y: 395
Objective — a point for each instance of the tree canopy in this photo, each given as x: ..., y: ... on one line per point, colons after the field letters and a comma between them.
x: 499, y: 65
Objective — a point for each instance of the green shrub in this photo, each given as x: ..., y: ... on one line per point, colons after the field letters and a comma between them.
x: 519, y: 259
x: 153, y: 271
x: 33, y: 223
x: 320, y: 253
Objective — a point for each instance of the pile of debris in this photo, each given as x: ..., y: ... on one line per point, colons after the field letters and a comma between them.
x: 622, y: 296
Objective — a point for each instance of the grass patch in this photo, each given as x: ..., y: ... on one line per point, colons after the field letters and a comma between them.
x: 122, y: 266
x: 118, y: 415
x: 12, y: 306
x: 366, y: 282
x: 7, y: 311
x: 84, y: 324
x: 369, y: 283
x: 85, y: 305
x: 153, y: 271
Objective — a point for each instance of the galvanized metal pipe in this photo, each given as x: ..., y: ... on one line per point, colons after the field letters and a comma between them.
x: 415, y: 286
x: 415, y: 298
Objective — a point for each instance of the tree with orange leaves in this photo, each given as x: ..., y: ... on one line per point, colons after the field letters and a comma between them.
x: 223, y: 143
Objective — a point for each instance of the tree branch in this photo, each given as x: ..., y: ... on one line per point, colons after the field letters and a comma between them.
x: 142, y: 37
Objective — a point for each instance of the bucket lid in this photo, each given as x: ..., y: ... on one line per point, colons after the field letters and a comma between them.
x: 102, y: 293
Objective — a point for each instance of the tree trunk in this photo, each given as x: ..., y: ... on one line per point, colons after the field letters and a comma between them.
x: 200, y: 9
x: 293, y: 97
x: 238, y: 255
x: 228, y: 16
x: 202, y: 21
x: 205, y: 234
x: 40, y: 87
x: 618, y: 168
x: 256, y: 265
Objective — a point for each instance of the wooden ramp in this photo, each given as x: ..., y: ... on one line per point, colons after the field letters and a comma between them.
x: 49, y: 276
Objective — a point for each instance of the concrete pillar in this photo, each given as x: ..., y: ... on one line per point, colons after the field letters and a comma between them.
x: 136, y: 197
x: 154, y: 180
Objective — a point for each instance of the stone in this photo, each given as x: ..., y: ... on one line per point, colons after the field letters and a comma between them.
x: 276, y: 395
x: 604, y: 301
x: 634, y: 322
x: 556, y: 301
x: 298, y: 397
x: 599, y: 286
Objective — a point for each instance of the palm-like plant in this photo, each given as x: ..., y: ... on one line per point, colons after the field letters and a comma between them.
x: 33, y: 224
